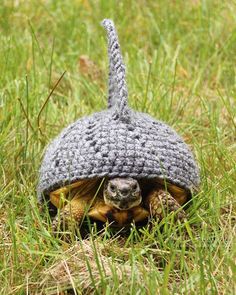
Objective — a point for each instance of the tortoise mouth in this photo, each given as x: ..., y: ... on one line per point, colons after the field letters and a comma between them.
x: 123, y: 203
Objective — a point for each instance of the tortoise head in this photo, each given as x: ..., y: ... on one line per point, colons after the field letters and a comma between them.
x: 122, y: 193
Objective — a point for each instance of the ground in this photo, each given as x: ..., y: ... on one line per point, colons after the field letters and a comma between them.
x: 180, y: 58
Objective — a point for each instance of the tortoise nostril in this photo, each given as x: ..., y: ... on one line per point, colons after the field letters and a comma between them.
x: 124, y: 191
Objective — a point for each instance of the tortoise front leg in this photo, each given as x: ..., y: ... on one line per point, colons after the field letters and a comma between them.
x: 160, y: 203
x: 71, y: 214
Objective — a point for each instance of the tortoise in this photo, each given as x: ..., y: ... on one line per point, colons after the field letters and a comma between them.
x: 117, y: 165
x: 120, y: 202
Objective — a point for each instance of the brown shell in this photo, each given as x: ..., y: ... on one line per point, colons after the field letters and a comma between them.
x: 94, y: 187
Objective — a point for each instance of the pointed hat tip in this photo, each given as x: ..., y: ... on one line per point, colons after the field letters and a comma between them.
x: 107, y: 22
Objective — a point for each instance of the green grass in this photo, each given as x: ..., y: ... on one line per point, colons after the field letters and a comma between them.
x: 180, y: 58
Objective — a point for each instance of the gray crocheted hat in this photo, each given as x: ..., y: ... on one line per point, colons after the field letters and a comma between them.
x: 117, y: 142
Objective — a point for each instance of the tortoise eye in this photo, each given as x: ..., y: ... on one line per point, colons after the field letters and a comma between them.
x: 135, y: 186
x: 112, y: 188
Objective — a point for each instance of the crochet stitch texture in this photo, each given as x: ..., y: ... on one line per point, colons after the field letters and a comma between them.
x: 117, y: 142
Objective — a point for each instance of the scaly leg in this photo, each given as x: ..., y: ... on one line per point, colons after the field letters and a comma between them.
x: 71, y: 214
x: 160, y: 203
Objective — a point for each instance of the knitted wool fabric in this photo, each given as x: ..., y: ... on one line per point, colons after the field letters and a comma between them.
x: 117, y: 142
